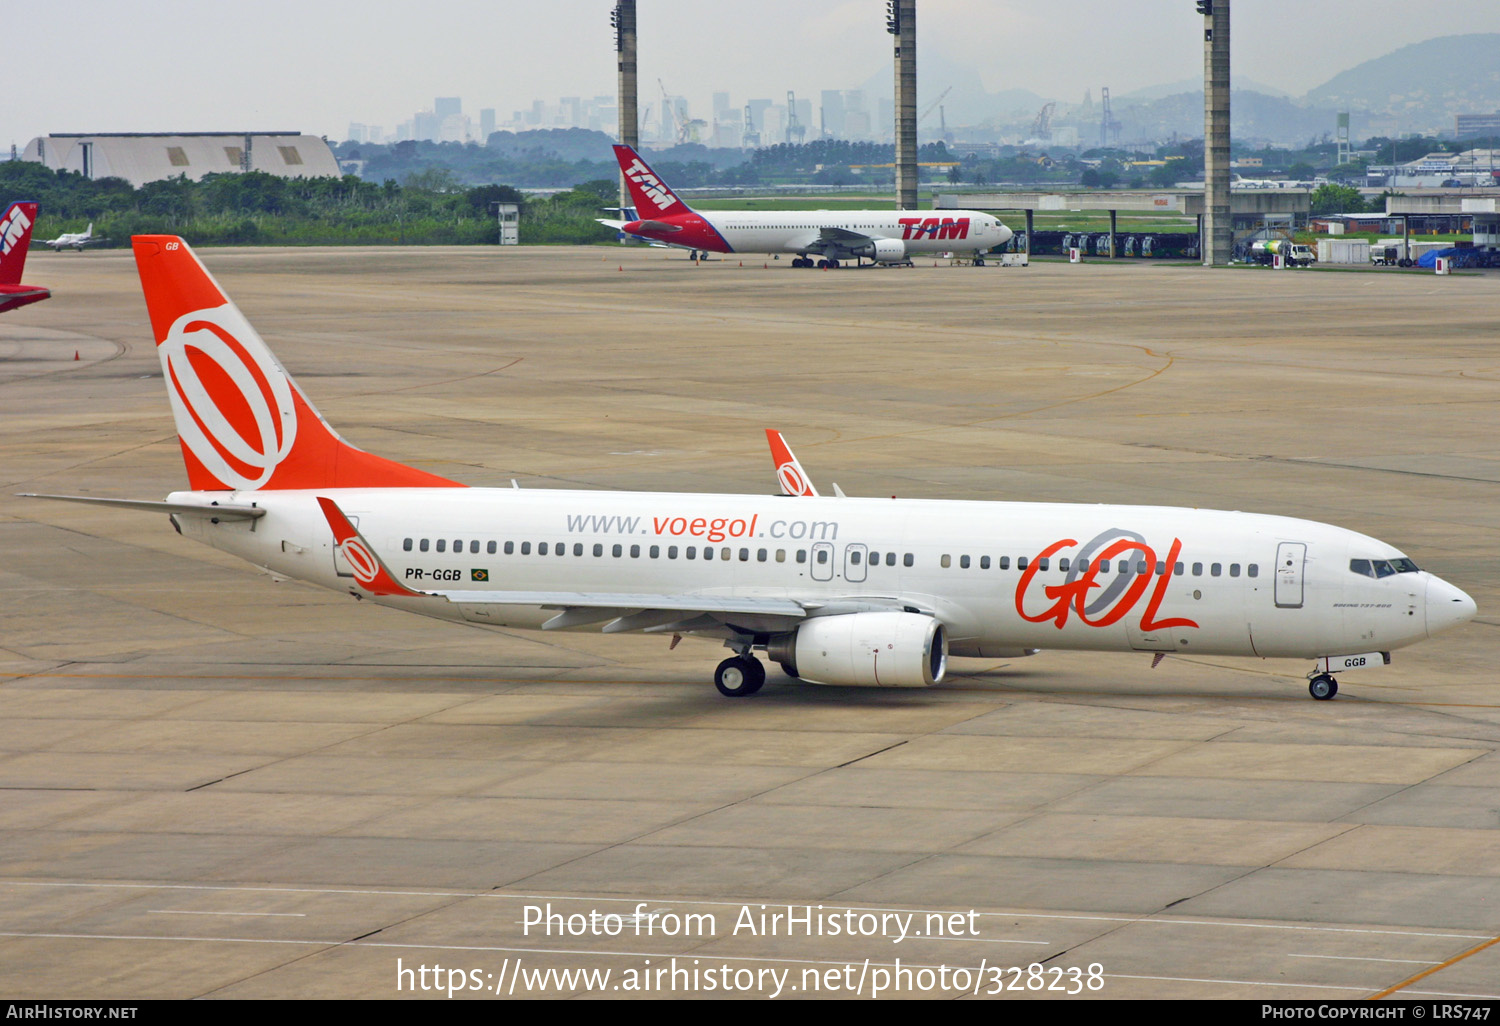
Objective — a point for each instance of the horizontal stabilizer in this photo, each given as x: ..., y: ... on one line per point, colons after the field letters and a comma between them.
x: 217, y: 512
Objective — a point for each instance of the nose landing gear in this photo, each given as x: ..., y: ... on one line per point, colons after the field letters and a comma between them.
x: 1322, y: 686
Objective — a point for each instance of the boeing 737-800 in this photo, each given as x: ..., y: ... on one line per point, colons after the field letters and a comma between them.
x: 15, y: 237
x: 851, y: 591
x: 883, y: 236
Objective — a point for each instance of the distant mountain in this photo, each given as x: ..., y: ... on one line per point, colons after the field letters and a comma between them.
x: 1253, y: 117
x: 967, y: 102
x: 1422, y: 85
x: 1188, y: 85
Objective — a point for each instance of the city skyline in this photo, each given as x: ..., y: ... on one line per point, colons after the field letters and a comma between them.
x: 316, y: 69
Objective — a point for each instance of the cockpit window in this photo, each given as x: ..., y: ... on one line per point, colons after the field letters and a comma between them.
x: 1382, y: 567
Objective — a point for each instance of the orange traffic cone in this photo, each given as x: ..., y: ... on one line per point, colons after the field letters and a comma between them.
x: 620, y: 268
x: 75, y: 355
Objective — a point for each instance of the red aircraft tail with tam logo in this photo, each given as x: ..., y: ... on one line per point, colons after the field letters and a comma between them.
x: 244, y: 424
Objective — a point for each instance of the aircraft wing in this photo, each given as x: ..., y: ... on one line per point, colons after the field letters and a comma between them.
x: 649, y: 613
x: 843, y: 236
x: 723, y: 614
x: 830, y: 241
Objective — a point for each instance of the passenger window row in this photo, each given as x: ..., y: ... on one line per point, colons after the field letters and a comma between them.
x: 1123, y: 566
x: 458, y: 546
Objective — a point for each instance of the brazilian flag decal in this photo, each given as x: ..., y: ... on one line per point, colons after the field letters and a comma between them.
x: 479, y: 575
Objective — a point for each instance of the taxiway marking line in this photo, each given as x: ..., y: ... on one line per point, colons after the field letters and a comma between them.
x: 189, y: 912
x: 1476, y: 949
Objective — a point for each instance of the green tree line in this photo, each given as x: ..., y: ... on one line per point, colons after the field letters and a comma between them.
x: 429, y: 208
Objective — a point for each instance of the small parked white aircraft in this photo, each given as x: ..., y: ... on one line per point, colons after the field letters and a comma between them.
x: 75, y: 239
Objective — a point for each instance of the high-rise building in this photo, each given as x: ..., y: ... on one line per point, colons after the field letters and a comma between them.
x: 445, y: 106
x: 831, y: 117
x: 426, y: 125
x: 1471, y: 125
x: 486, y: 123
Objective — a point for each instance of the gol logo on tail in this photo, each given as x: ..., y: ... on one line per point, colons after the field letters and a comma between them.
x: 232, y: 403
x: 792, y: 480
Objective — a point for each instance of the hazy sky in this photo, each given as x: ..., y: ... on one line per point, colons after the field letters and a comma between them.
x: 317, y: 65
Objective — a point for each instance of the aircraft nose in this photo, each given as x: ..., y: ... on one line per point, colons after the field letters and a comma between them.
x: 1447, y: 606
x: 1006, y: 235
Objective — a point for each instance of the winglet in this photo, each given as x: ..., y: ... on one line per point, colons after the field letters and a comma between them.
x: 789, y: 472
x: 369, y: 571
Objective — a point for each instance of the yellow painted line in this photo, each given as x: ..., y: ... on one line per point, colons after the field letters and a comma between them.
x: 1476, y: 949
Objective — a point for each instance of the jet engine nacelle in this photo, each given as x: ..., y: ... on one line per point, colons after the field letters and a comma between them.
x: 867, y: 650
x: 885, y: 251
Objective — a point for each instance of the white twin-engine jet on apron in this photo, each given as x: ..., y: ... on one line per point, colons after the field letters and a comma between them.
x: 864, y: 592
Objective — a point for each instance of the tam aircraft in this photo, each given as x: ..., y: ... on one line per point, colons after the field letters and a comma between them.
x: 833, y: 236
x: 15, y: 237
x: 838, y: 590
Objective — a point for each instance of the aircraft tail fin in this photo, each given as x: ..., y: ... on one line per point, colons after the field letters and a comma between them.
x: 789, y: 473
x: 650, y: 195
x: 15, y: 238
x: 243, y: 423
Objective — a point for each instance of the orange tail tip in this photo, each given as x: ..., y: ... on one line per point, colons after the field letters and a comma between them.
x: 369, y: 570
x: 241, y: 419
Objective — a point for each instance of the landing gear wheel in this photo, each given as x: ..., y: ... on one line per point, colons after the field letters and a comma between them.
x: 739, y: 676
x: 979, y: 261
x: 1322, y: 687
x: 834, y: 264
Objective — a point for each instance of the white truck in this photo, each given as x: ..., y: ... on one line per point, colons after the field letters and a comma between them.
x: 1294, y: 254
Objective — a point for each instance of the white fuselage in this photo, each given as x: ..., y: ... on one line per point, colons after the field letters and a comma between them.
x: 920, y: 231
x: 1214, y: 582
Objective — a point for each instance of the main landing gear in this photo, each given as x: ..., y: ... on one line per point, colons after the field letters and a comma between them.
x: 1322, y: 686
x: 739, y: 676
x: 827, y: 265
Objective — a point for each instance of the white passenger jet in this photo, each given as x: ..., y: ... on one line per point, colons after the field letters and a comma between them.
x: 852, y: 591
x: 883, y: 236
x: 75, y: 239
